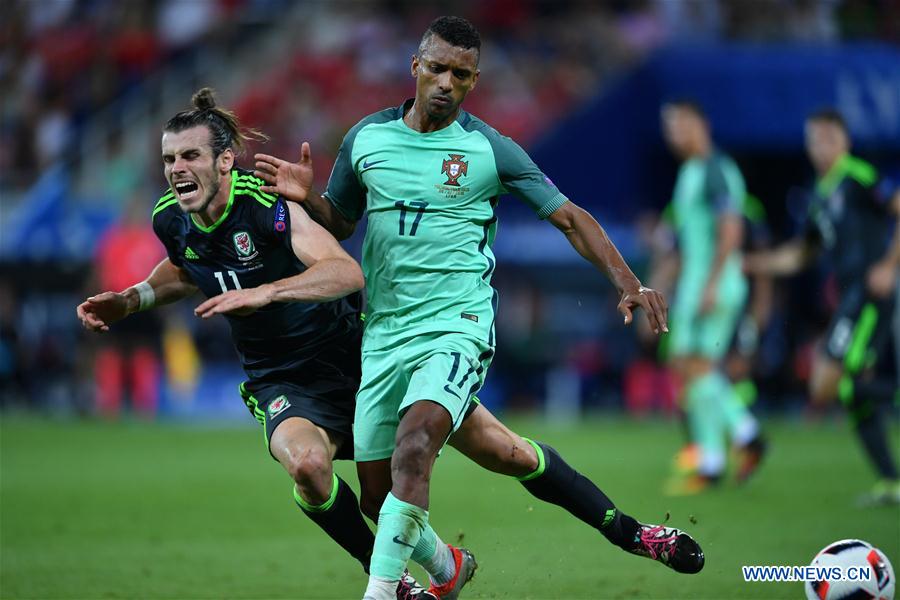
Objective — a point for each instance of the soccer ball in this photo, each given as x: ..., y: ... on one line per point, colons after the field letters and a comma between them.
x: 847, y: 554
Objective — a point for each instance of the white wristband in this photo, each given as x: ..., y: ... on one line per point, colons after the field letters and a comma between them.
x: 146, y: 295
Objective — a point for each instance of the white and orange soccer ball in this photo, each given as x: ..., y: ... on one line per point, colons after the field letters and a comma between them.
x: 851, y: 556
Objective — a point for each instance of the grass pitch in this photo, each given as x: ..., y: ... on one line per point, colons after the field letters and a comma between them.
x: 95, y: 510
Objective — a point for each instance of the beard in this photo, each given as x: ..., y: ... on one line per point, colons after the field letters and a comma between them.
x: 213, y: 188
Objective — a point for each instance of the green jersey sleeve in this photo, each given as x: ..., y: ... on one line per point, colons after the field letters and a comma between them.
x: 344, y: 190
x: 521, y: 177
x: 164, y: 225
x: 724, y: 186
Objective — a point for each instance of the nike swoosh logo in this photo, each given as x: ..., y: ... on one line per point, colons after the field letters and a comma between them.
x: 367, y: 164
x: 397, y: 540
x: 450, y: 391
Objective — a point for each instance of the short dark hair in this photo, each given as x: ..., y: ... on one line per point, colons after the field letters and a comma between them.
x: 688, y: 104
x: 829, y: 115
x: 455, y: 31
x: 224, y: 129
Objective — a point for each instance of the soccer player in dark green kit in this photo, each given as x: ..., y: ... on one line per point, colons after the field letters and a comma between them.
x: 429, y: 176
x: 850, y: 221
x: 287, y: 289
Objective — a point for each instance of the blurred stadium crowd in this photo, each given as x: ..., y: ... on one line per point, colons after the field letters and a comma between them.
x: 62, y: 61
x: 73, y: 72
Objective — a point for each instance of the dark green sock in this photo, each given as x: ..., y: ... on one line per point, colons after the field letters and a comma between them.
x: 341, y: 519
x: 872, y: 434
x: 862, y: 397
x: 556, y: 482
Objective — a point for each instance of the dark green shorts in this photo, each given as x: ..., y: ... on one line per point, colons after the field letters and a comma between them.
x: 859, y: 330
x: 327, y: 403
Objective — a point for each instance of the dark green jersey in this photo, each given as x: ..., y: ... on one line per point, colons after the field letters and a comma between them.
x: 849, y: 219
x: 430, y: 199
x: 248, y: 246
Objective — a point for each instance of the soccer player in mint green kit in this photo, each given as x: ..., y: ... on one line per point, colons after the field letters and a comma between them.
x: 710, y: 295
x: 429, y: 175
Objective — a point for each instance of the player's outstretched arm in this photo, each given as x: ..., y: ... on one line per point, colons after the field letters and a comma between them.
x: 591, y: 242
x: 294, y: 181
x: 788, y: 259
x: 331, y: 273
x: 166, y: 283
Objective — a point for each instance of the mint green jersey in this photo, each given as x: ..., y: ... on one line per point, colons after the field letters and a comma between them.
x: 705, y: 190
x: 430, y: 200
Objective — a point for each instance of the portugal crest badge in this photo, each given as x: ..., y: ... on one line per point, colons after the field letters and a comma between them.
x: 454, y: 168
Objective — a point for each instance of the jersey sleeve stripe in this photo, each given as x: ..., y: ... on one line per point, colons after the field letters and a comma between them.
x: 252, y: 178
x: 864, y: 173
x: 255, y: 182
x: 484, y: 242
x: 162, y: 205
x: 550, y: 207
x: 166, y: 197
x: 254, y: 194
x: 252, y: 186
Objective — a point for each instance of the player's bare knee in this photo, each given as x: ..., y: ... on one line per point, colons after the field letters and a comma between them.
x: 413, y: 453
x: 821, y: 391
x: 510, y: 454
x: 820, y: 395
x: 311, y: 470
x: 695, y: 367
x: 523, y: 458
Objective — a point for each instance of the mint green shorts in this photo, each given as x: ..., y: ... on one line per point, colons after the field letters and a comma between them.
x: 709, y: 334
x: 445, y: 368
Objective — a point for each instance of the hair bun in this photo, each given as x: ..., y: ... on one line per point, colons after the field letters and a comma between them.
x: 204, y: 99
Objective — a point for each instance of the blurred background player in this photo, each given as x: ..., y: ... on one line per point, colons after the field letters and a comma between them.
x: 711, y: 293
x: 742, y: 361
x: 850, y: 222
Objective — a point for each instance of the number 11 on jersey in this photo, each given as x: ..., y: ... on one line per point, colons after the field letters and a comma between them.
x: 221, y: 280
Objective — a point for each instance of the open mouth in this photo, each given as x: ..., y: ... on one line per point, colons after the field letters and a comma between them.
x: 186, y: 190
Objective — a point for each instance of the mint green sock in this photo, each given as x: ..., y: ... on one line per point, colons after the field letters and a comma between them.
x: 428, y: 542
x: 738, y: 419
x: 400, y: 527
x: 434, y: 556
x: 706, y: 422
